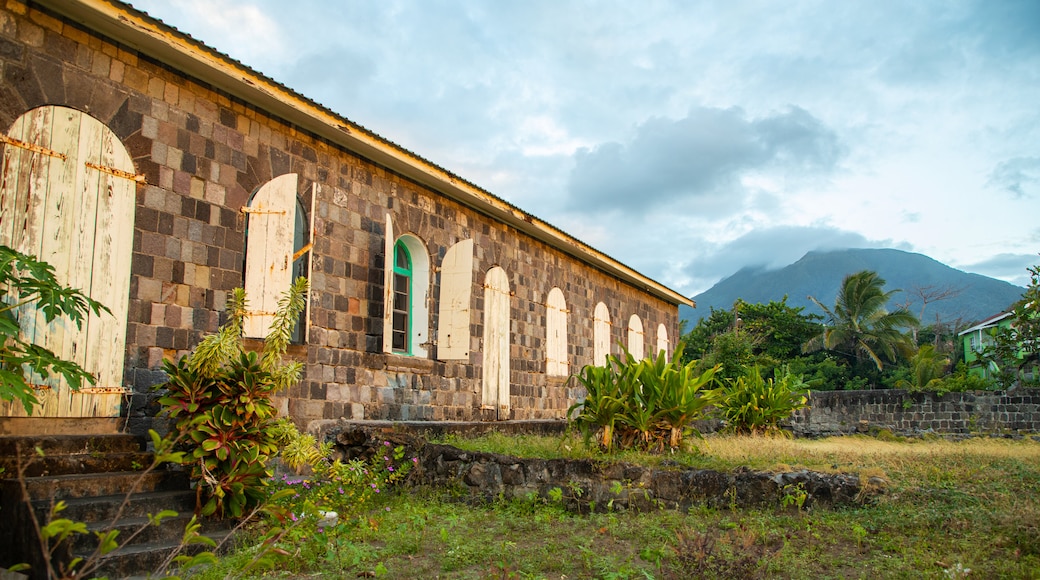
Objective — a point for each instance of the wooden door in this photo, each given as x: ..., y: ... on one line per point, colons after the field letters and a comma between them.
x: 495, y: 390
x: 67, y: 196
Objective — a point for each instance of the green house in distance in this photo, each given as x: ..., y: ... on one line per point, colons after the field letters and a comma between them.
x: 980, y: 336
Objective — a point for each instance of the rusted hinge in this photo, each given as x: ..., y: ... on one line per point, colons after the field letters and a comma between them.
x: 32, y: 147
x: 100, y: 391
x: 302, y: 251
x: 258, y: 313
x: 247, y: 209
x: 116, y: 172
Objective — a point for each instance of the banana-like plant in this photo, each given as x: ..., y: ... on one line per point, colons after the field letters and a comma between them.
x: 751, y: 404
x: 642, y: 403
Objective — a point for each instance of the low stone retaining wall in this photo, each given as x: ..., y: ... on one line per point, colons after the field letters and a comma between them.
x: 842, y: 412
x: 585, y: 485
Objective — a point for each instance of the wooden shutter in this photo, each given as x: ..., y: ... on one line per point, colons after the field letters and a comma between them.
x: 662, y: 340
x: 269, y: 249
x: 496, y: 343
x: 67, y: 196
x: 456, y: 293
x: 556, y: 334
x: 635, y: 337
x: 600, y: 334
x: 388, y: 286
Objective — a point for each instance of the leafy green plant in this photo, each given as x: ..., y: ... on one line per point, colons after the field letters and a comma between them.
x: 608, y: 389
x: 751, y: 404
x: 646, y: 404
x: 220, y: 398
x: 24, y: 282
x: 1015, y: 351
x: 926, y: 371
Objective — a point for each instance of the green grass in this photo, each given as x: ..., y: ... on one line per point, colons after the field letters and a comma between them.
x: 974, y: 503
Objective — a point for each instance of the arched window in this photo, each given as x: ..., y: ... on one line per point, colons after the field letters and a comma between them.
x: 67, y: 196
x: 556, y: 334
x: 456, y: 290
x: 635, y: 337
x: 277, y: 250
x: 600, y: 334
x: 406, y: 319
x: 401, y: 326
x: 662, y: 340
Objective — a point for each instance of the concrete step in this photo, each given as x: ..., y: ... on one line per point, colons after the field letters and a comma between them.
x: 78, y: 463
x: 104, y: 508
x: 101, y: 484
x: 71, y: 444
x: 142, y: 560
x: 169, y: 532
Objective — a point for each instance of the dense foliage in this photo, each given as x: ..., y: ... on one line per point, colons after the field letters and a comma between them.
x: 220, y: 398
x: 755, y: 405
x: 646, y: 404
x: 1015, y: 351
x: 860, y: 327
x: 28, y: 282
x: 861, y: 345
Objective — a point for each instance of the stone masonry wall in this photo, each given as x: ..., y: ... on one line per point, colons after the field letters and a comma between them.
x: 586, y: 485
x: 838, y: 412
x: 203, y: 153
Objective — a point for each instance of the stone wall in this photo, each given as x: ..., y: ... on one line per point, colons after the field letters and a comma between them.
x: 839, y: 412
x: 584, y: 485
x: 203, y: 153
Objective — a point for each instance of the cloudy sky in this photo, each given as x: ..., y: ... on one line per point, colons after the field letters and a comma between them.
x: 690, y: 139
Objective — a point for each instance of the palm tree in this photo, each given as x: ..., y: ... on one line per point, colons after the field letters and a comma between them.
x: 860, y: 326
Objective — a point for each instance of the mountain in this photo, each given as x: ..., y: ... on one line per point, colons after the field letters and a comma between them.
x: 819, y: 274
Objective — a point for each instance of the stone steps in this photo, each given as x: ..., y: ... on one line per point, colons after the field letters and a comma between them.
x: 100, y: 478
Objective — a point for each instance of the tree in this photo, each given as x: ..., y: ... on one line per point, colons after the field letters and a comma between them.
x: 1016, y: 349
x: 28, y: 285
x: 859, y: 327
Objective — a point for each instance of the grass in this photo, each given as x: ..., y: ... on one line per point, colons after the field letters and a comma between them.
x: 950, y: 506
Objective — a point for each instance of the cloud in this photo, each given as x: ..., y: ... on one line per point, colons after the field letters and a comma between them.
x: 772, y: 248
x: 1017, y: 176
x: 1008, y: 266
x: 699, y: 159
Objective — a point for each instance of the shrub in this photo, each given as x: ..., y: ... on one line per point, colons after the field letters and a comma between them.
x: 751, y: 404
x: 642, y: 403
x: 220, y: 397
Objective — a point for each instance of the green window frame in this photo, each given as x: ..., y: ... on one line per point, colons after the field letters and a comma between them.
x: 401, y: 311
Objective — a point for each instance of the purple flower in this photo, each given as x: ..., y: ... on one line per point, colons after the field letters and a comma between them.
x: 387, y: 443
x: 415, y: 460
x: 387, y: 508
x: 321, y: 530
x: 391, y: 468
x: 341, y: 492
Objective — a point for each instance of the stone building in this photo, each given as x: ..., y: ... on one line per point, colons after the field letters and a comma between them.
x: 158, y: 174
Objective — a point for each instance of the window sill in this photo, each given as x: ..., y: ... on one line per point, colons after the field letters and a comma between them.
x: 407, y: 363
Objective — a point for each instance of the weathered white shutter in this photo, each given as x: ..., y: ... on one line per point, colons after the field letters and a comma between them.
x: 269, y: 249
x: 662, y: 340
x: 388, y: 286
x: 456, y: 292
x: 67, y: 196
x: 600, y: 334
x: 556, y: 334
x: 635, y: 337
x: 495, y: 390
